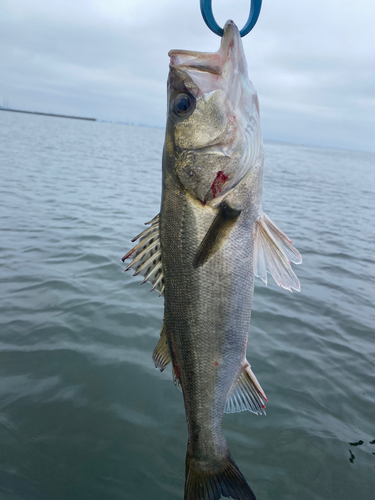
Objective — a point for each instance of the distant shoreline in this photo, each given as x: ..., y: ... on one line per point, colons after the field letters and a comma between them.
x: 48, y: 114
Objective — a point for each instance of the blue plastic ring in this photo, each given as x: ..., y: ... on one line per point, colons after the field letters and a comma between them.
x: 206, y: 9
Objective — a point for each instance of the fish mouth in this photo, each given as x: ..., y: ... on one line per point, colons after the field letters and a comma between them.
x: 211, y: 62
x: 225, y: 129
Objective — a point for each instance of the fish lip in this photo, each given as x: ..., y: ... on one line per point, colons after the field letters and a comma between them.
x: 205, y: 62
x: 230, y: 31
x: 209, y: 62
x: 231, y: 45
x: 185, y: 52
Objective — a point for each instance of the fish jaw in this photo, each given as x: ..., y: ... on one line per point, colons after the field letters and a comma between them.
x: 220, y: 134
x: 223, y: 69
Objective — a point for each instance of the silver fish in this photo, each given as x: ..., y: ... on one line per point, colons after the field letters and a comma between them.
x: 202, y: 251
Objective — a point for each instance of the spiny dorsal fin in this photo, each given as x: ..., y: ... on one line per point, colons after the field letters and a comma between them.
x: 146, y: 256
x: 218, y: 233
x: 273, y: 252
x: 162, y: 356
x: 247, y: 394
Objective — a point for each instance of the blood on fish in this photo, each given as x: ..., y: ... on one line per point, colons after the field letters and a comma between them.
x: 173, y: 349
x: 217, y: 185
x: 263, y: 396
x: 127, y: 255
x: 216, y: 363
x: 177, y: 370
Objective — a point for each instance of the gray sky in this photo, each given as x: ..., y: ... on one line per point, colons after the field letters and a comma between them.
x: 311, y: 61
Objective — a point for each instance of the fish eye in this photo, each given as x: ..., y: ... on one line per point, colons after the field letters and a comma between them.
x: 183, y: 104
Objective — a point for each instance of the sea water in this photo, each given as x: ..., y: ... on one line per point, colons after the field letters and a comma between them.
x: 83, y: 412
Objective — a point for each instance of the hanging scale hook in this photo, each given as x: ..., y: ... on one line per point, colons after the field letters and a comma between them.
x: 206, y: 10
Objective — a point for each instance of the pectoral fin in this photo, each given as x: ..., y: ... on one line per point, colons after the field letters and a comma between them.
x: 247, y: 394
x: 218, y: 233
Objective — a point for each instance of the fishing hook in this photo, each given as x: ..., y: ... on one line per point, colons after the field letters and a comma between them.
x: 208, y: 17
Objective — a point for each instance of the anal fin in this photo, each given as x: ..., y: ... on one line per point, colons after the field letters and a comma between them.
x: 217, y: 233
x: 162, y: 356
x: 247, y: 394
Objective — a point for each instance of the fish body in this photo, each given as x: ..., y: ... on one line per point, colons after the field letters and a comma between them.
x: 203, y: 250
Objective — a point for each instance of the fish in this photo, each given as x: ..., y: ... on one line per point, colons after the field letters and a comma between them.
x: 202, y: 250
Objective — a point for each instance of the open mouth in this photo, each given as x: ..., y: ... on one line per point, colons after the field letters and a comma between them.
x: 207, y: 62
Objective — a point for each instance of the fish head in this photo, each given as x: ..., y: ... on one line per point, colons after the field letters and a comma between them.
x: 213, y: 126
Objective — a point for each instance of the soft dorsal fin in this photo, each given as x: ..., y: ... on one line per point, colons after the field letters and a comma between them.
x: 247, y: 394
x: 273, y: 252
x: 146, y: 256
x: 162, y: 356
x: 217, y: 233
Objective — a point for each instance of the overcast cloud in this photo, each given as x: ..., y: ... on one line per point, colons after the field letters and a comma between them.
x: 311, y: 61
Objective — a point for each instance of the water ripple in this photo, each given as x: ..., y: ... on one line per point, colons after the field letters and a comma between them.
x: 83, y: 412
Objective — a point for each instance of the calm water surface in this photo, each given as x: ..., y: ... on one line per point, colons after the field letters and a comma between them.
x: 83, y: 412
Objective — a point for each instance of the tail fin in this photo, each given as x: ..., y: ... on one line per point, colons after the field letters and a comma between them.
x: 226, y: 482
